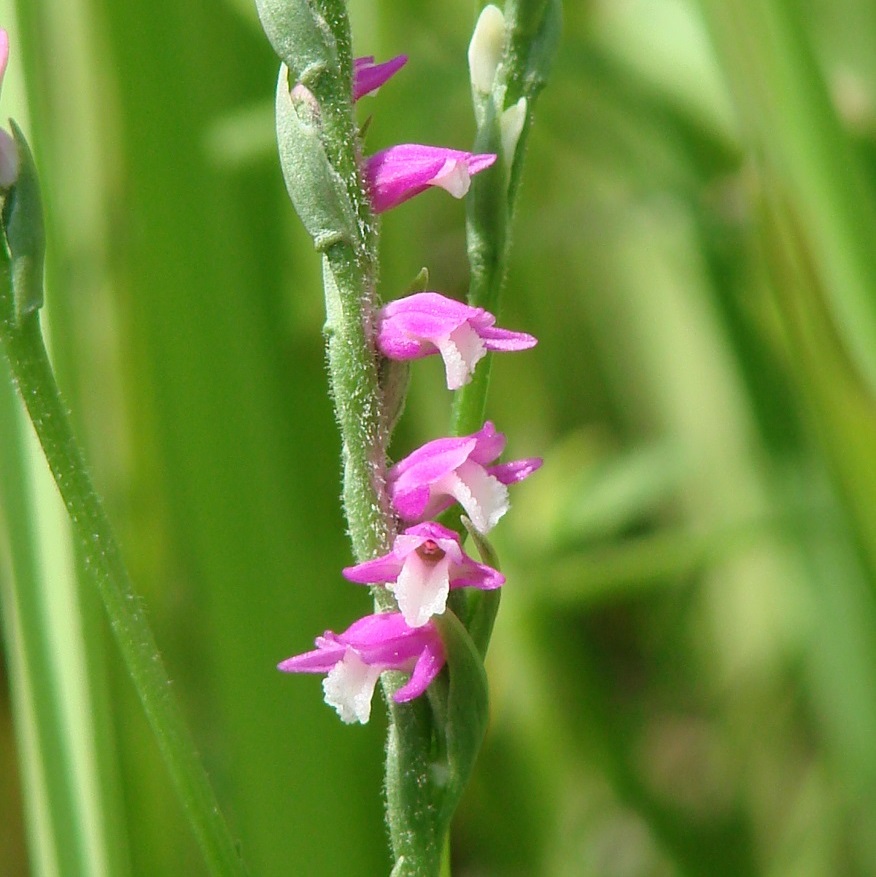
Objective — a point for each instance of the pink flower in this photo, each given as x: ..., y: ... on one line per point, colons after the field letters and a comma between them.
x: 427, y: 322
x: 426, y: 561
x: 353, y: 661
x: 4, y: 53
x: 8, y: 149
x: 368, y: 76
x: 400, y: 172
x: 428, y: 481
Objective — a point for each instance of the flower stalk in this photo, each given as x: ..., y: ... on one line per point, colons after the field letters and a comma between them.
x: 430, y: 666
x: 507, y: 76
x: 532, y: 30
x: 317, y: 138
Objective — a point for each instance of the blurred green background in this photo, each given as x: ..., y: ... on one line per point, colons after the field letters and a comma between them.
x: 683, y: 674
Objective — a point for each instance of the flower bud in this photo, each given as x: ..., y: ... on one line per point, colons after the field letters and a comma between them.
x: 9, y: 163
x: 485, y: 49
x: 511, y: 126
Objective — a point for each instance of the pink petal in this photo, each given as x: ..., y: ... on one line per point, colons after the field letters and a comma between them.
x: 412, y: 501
x: 374, y: 631
x: 433, y: 459
x: 368, y: 76
x: 316, y: 661
x: 426, y: 669
x: 4, y: 53
x: 396, y: 174
x: 489, y: 444
x: 471, y: 574
x: 372, y: 572
x: 503, y: 339
x: 516, y: 470
x: 425, y: 315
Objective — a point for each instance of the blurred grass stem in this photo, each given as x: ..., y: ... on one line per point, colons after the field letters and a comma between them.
x: 786, y: 109
x: 32, y: 373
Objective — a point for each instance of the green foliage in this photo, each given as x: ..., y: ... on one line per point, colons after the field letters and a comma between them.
x: 682, y: 672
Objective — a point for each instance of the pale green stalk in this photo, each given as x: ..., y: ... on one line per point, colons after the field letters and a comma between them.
x: 68, y: 609
x: 532, y: 35
x: 47, y: 772
x: 21, y: 296
x: 532, y: 31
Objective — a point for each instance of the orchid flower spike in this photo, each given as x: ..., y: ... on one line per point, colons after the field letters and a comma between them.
x: 426, y: 561
x: 8, y: 149
x: 426, y: 323
x: 368, y: 76
x: 428, y: 481
x: 400, y: 172
x: 353, y: 661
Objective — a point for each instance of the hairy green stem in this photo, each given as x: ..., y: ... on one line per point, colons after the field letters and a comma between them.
x: 32, y: 373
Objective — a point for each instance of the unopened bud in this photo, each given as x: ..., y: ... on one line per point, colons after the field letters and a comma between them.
x: 511, y: 126
x: 9, y: 163
x: 485, y: 49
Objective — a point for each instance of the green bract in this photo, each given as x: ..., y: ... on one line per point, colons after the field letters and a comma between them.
x: 25, y: 233
x: 300, y: 35
x: 315, y: 187
x: 431, y: 751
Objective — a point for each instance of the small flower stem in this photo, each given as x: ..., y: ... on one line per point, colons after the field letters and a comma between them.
x: 445, y: 859
x: 47, y: 770
x: 533, y: 33
x: 533, y: 28
x: 487, y: 217
x: 25, y: 351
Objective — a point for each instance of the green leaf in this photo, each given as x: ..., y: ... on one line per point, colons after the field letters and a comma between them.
x: 485, y: 549
x: 465, y: 710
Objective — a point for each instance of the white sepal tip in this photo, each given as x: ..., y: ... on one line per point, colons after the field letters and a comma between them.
x: 511, y: 127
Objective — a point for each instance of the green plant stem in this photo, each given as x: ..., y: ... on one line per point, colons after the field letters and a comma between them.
x: 49, y: 800
x: 354, y: 380
x: 29, y: 364
x: 445, y: 859
x: 533, y: 34
x: 487, y: 217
